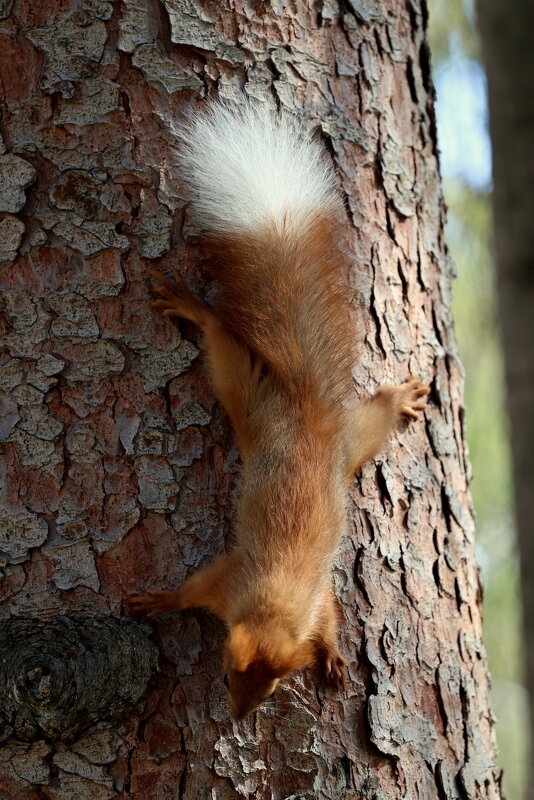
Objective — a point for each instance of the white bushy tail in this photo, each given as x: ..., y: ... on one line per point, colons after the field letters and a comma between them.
x: 248, y: 166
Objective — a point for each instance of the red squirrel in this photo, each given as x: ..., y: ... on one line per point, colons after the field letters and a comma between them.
x: 280, y: 351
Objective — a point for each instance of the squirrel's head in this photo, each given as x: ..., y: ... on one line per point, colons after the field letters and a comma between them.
x: 255, y: 665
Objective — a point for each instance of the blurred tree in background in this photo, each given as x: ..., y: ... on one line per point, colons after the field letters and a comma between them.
x: 506, y: 32
x: 466, y: 168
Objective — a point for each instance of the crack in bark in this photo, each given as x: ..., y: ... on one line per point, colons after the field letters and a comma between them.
x: 383, y: 490
x: 373, y: 310
x: 440, y: 787
x: 359, y: 581
x: 411, y: 80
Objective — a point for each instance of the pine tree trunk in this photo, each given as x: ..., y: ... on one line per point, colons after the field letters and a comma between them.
x: 121, y: 471
x: 506, y: 37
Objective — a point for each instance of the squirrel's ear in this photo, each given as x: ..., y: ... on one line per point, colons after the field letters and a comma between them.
x: 242, y: 647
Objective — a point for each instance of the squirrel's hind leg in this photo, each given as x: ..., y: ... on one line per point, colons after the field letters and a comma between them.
x: 234, y: 373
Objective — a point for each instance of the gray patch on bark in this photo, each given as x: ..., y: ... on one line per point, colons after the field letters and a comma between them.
x: 87, y: 236
x: 366, y: 10
x: 137, y: 25
x: 75, y: 318
x: 96, y: 99
x: 157, y: 368
x: 97, y: 360
x: 192, y: 26
x: 11, y: 231
x: 74, y: 563
x: 154, y: 232
x: 190, y: 413
x: 15, y: 175
x: 77, y: 191
x: 73, y: 49
x: 5, y: 8
x: 19, y: 532
x: 157, y: 67
x: 158, y: 488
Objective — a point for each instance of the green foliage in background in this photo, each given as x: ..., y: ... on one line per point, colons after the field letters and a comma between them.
x: 452, y: 29
x: 453, y: 35
x: 468, y: 237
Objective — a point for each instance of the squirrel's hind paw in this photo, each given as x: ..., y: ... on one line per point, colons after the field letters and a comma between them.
x: 175, y: 300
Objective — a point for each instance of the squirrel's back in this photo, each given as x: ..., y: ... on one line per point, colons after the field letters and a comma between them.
x: 278, y: 343
x: 265, y: 194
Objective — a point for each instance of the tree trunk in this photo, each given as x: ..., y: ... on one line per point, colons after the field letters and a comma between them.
x: 121, y: 471
x: 510, y: 66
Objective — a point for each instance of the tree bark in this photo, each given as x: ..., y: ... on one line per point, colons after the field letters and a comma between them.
x: 509, y: 67
x: 121, y: 471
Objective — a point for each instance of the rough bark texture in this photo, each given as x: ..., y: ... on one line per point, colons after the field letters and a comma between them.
x: 506, y: 37
x: 121, y: 470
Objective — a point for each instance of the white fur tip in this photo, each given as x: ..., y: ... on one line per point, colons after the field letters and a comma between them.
x: 249, y: 166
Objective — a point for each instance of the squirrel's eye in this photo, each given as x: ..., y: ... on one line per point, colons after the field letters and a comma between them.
x: 226, y: 681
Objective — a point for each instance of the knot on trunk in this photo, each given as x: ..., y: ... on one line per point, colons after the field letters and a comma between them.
x: 60, y: 677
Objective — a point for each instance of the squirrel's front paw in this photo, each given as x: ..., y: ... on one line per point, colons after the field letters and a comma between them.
x: 156, y: 602
x: 412, y: 397
x: 334, y: 670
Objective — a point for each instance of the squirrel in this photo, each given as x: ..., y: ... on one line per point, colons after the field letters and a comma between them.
x: 280, y: 353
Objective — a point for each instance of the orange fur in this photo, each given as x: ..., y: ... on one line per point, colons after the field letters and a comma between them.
x: 280, y: 356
